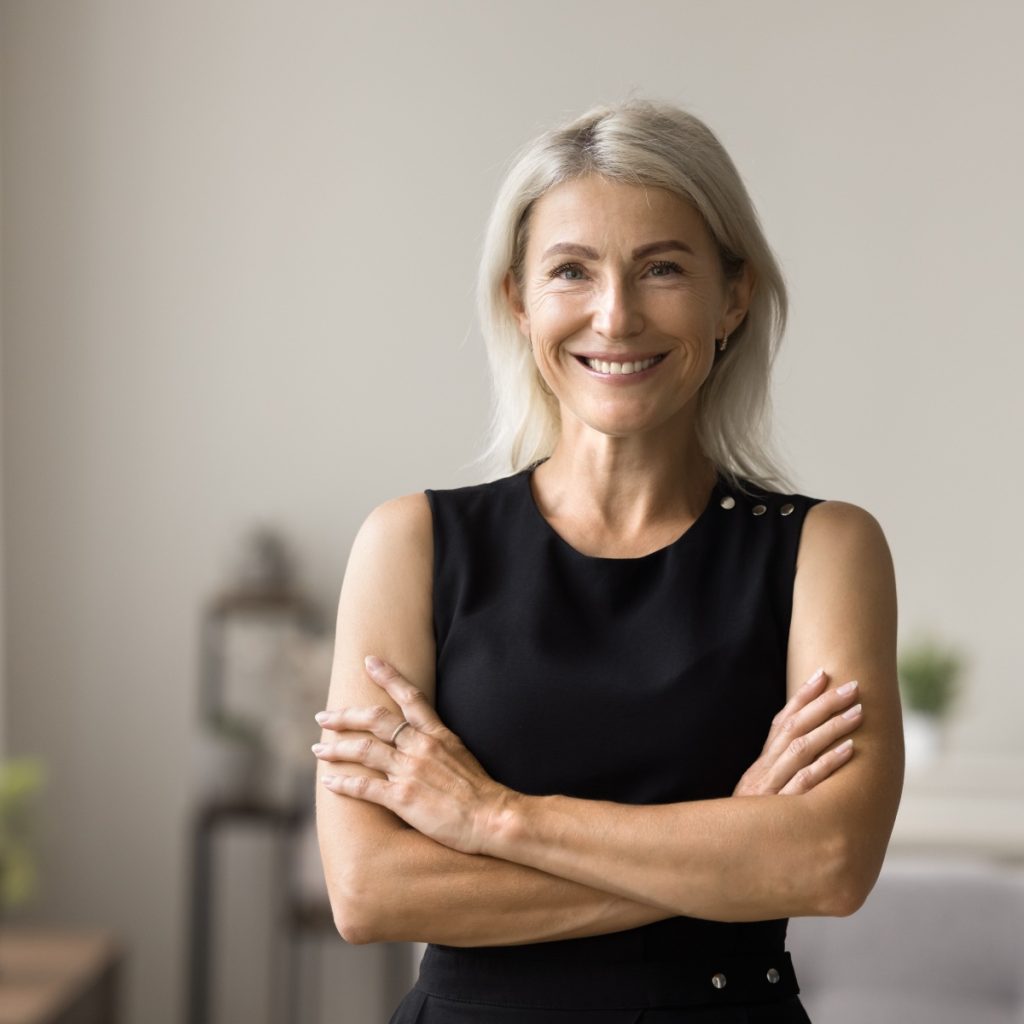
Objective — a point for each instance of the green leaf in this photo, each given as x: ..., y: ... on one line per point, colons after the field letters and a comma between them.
x: 929, y: 675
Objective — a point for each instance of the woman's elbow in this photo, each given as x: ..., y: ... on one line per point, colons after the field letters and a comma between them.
x: 846, y: 899
x: 353, y: 896
x: 855, y: 871
x: 357, y: 919
x: 352, y: 928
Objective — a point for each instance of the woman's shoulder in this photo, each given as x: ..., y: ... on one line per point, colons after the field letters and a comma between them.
x: 843, y: 522
x: 825, y: 524
x: 819, y: 509
x: 397, y: 524
x: 411, y: 515
x: 837, y: 533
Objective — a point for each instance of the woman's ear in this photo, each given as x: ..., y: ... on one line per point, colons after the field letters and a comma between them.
x: 739, y: 292
x: 515, y: 304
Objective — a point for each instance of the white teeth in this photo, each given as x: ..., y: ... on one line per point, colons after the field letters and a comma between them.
x: 603, y: 367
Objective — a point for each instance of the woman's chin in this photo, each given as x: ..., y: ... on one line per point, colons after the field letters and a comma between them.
x: 620, y: 422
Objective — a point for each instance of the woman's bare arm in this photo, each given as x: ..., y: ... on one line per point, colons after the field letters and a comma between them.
x: 391, y: 882
x: 386, y: 881
x: 744, y: 858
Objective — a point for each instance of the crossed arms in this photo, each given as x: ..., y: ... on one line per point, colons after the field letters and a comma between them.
x: 557, y: 867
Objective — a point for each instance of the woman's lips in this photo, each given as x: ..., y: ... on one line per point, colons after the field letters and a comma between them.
x: 623, y: 378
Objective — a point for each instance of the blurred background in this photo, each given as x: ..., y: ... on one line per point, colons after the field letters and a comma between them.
x: 239, y: 242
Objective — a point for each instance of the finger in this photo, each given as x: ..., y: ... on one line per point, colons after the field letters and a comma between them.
x: 819, y: 710
x: 807, y: 778
x: 367, y: 750
x: 363, y: 787
x: 803, y: 749
x: 376, y: 719
x: 837, y: 697
x: 413, y: 702
x: 807, y: 691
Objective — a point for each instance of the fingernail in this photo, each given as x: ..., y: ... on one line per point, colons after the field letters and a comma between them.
x: 322, y: 716
x: 373, y: 664
x: 817, y: 675
x: 326, y: 779
x: 848, y: 687
x: 852, y: 712
x: 844, y: 746
x: 317, y: 748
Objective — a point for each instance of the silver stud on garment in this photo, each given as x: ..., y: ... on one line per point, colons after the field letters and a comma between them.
x: 728, y: 501
x: 759, y: 510
x: 786, y: 509
x: 773, y: 975
x: 718, y: 980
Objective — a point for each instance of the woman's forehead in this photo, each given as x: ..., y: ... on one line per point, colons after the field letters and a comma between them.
x: 595, y: 210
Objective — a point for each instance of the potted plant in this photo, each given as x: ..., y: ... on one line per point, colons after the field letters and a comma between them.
x: 929, y: 677
x: 20, y: 780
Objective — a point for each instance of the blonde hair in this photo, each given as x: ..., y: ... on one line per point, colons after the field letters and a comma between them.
x: 644, y: 143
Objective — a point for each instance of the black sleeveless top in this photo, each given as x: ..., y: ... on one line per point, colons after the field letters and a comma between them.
x: 637, y: 680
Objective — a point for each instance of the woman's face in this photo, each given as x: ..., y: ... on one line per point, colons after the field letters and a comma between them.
x: 623, y: 274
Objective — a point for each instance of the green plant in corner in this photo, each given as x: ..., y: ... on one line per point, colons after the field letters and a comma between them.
x: 20, y: 779
x: 929, y: 674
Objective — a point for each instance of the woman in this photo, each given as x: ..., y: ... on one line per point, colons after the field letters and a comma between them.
x: 596, y: 770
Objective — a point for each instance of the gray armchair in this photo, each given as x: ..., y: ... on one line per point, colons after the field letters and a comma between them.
x: 936, y: 942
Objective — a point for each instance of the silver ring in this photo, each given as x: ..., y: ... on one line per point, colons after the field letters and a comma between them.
x: 394, y: 735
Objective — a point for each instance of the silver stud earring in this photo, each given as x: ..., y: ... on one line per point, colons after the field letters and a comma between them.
x: 723, y: 341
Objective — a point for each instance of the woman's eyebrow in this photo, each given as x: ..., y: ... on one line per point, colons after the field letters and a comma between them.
x: 669, y: 245
x: 571, y: 249
x: 584, y: 251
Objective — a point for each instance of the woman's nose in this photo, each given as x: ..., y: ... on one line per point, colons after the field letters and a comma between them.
x: 616, y: 314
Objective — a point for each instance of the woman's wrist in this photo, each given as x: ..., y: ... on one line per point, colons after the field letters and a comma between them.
x: 504, y: 823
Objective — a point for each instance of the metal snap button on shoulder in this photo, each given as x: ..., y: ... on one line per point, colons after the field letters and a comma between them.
x: 786, y: 509
x: 718, y: 980
x: 773, y: 975
x: 728, y: 501
x: 759, y: 510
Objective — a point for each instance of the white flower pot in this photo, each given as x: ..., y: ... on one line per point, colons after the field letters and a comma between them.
x: 922, y: 738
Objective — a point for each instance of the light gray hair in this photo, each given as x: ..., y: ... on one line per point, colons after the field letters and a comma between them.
x: 644, y: 143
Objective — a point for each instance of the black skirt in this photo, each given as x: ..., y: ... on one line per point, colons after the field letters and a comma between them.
x: 464, y: 986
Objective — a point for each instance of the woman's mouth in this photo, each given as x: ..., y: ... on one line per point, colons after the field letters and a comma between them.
x: 637, y: 368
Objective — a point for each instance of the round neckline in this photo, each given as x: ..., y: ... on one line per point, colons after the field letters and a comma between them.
x: 702, y: 517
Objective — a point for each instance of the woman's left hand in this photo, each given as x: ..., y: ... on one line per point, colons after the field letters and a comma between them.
x: 433, y: 782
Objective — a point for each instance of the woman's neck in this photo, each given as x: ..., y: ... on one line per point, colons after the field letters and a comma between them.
x: 624, y: 487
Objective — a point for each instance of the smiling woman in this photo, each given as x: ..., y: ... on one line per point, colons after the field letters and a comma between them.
x: 599, y: 766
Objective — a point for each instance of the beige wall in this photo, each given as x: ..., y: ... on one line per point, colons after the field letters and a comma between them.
x: 239, y: 242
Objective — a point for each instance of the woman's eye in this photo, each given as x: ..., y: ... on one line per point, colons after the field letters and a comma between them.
x: 667, y: 265
x: 558, y: 271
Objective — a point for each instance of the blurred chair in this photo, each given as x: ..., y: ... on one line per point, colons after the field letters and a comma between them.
x: 936, y: 942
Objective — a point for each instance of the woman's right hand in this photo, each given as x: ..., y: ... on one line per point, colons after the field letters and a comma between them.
x: 801, y: 747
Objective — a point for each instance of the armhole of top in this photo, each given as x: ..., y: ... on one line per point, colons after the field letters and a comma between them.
x: 792, y: 557
x: 435, y: 581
